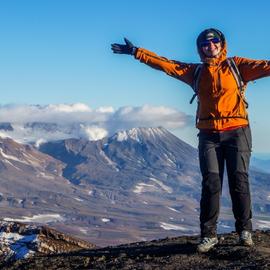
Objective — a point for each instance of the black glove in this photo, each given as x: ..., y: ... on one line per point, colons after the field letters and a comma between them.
x: 128, y: 48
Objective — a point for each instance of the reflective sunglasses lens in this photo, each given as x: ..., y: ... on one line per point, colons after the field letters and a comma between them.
x: 215, y: 40
x: 207, y: 42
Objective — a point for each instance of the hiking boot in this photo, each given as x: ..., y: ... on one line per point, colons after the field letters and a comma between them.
x: 206, y: 244
x: 245, y: 239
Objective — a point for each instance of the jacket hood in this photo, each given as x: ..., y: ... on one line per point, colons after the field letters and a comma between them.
x: 223, y: 53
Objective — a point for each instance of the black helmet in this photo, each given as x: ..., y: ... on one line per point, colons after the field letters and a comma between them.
x: 210, y: 34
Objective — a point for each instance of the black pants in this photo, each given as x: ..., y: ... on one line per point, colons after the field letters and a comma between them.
x: 234, y: 148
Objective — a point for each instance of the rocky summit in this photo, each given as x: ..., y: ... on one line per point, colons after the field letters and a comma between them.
x: 20, y: 241
x: 168, y: 254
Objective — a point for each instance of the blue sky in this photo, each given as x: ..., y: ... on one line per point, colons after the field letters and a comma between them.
x: 58, y: 51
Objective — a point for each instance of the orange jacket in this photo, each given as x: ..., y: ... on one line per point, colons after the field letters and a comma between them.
x: 220, y: 104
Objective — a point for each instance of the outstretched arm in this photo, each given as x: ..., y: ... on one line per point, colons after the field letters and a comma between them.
x: 178, y: 70
x: 252, y: 69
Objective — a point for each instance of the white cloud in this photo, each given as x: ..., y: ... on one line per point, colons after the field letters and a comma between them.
x: 35, y: 123
x: 70, y: 108
x: 105, y: 109
x: 92, y: 132
x: 148, y: 116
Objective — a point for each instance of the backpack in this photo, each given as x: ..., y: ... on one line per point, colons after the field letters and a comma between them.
x: 237, y: 76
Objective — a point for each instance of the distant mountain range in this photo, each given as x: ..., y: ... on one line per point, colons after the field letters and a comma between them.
x: 261, y: 164
x: 139, y: 184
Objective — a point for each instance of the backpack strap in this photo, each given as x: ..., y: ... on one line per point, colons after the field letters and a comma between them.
x: 195, y: 86
x: 196, y: 78
x: 238, y: 78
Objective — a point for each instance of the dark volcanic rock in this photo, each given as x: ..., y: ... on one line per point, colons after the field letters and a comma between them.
x: 170, y: 254
x: 18, y: 240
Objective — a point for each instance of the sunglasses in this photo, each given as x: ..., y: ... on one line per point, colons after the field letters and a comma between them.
x: 207, y: 42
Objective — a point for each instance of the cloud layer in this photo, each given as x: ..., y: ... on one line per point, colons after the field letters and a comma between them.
x: 35, y: 123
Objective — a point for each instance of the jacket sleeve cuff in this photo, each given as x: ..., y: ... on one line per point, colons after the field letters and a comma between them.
x: 134, y: 50
x: 137, y: 53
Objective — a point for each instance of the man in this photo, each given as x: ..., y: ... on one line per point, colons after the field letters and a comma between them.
x: 222, y: 120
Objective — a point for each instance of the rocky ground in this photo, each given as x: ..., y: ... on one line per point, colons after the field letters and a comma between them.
x: 19, y: 241
x: 169, y: 253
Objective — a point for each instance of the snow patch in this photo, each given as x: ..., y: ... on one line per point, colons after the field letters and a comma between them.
x: 83, y: 230
x: 44, y: 175
x: 121, y: 136
x: 225, y: 226
x: 78, y: 199
x: 105, y: 220
x: 18, y: 243
x: 263, y: 224
x: 168, y: 227
x: 8, y: 162
x: 138, y: 134
x: 173, y: 209
x: 170, y: 162
x: 29, y: 159
x: 10, y: 157
x: 163, y: 186
x: 41, y: 218
x: 109, y: 161
x: 142, y: 187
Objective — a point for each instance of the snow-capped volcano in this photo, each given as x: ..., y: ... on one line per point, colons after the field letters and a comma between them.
x: 36, y: 124
x: 140, y: 134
